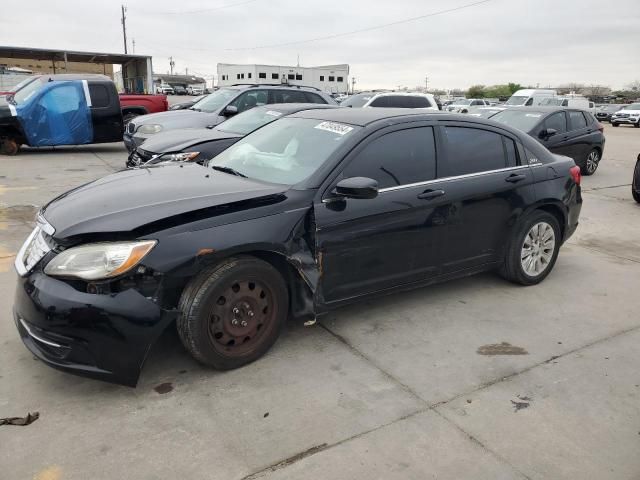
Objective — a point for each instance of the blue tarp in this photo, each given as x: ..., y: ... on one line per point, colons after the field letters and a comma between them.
x: 57, y: 114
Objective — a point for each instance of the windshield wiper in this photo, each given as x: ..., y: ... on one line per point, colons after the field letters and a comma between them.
x: 230, y: 170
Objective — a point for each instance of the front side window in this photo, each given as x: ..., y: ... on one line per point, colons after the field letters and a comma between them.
x: 471, y: 150
x: 286, y: 151
x: 358, y: 100
x: 577, y: 120
x: 557, y: 121
x: 314, y: 98
x: 397, y: 158
x: 248, y: 100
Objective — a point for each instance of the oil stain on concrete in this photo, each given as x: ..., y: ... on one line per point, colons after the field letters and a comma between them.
x: 503, y: 348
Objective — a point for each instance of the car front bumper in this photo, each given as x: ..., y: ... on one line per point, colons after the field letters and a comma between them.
x: 106, y: 337
x: 629, y: 120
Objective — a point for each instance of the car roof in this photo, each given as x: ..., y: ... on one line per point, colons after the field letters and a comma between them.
x: 364, y: 116
x: 270, y: 86
x: 74, y: 76
x: 402, y: 94
x: 540, y: 109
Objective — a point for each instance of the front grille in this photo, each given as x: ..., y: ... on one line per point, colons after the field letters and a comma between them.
x: 623, y: 115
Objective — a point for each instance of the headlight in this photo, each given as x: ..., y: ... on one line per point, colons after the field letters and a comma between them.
x: 150, y: 129
x: 178, y: 157
x: 97, y: 261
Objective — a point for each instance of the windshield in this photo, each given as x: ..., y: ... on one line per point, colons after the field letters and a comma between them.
x: 461, y: 102
x: 358, y: 100
x: 247, y: 122
x: 551, y: 101
x: 524, y: 121
x: 633, y: 106
x: 516, y: 100
x: 26, y: 91
x: 285, y: 152
x: 215, y: 101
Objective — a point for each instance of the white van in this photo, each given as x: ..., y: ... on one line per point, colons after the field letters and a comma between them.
x: 570, y: 101
x: 530, y: 97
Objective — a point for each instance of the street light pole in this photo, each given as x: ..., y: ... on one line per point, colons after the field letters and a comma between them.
x: 353, y: 85
x: 124, y: 27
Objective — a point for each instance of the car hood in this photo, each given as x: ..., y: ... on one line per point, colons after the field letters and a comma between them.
x: 178, y: 140
x: 178, y: 119
x: 133, y: 199
x: 634, y: 112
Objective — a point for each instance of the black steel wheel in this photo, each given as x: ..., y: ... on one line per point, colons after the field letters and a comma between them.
x: 635, y: 184
x: 232, y: 313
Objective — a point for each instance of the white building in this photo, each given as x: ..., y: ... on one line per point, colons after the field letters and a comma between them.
x: 328, y: 78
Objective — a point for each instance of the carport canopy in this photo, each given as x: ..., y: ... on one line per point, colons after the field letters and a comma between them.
x: 137, y: 70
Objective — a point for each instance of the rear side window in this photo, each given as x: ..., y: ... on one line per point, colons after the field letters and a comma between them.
x: 397, y: 158
x: 99, y: 96
x: 313, y: 98
x: 557, y: 121
x: 577, y: 120
x: 471, y: 150
x: 288, y: 96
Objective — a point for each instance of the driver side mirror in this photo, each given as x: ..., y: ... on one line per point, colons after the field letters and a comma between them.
x: 230, y: 111
x: 357, y: 187
x: 547, y: 132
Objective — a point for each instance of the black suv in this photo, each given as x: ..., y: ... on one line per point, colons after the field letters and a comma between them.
x: 313, y: 211
x: 217, y: 107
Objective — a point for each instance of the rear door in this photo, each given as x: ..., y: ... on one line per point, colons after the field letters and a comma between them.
x: 486, y: 186
x: 393, y: 239
x: 106, y: 114
x: 580, y: 136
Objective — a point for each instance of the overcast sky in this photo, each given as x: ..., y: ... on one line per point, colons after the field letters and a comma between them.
x: 545, y: 42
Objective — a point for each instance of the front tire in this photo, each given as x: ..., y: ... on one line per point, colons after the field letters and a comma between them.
x: 614, y: 124
x: 591, y: 163
x: 232, y: 313
x: 533, y: 249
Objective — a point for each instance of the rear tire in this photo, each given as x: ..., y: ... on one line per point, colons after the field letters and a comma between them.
x: 637, y: 125
x: 635, y: 184
x: 232, y: 313
x: 614, y: 124
x: 533, y: 249
x: 591, y: 163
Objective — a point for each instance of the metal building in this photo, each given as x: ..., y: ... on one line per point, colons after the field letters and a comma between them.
x: 328, y: 78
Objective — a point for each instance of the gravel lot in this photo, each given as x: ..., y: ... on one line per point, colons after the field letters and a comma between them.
x: 410, y: 386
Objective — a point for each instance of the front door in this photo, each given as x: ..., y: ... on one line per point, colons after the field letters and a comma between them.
x: 106, y: 114
x: 393, y: 239
x: 557, y: 143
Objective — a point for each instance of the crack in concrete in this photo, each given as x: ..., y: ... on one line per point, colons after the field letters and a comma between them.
x: 427, y: 407
x: 106, y: 164
x: 604, y: 252
x: 594, y: 189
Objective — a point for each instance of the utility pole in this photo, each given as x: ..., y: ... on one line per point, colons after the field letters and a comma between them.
x: 186, y: 71
x: 171, y: 64
x: 426, y: 84
x: 133, y: 41
x: 124, y: 27
x: 353, y: 85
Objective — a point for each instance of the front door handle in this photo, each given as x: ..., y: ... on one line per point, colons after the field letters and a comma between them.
x: 429, y: 194
x: 515, y: 177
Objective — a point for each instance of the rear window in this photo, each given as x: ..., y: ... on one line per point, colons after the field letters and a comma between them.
x: 99, y: 96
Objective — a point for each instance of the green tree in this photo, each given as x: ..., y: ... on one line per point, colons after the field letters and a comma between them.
x: 514, y: 87
x: 497, y: 91
x: 475, y: 91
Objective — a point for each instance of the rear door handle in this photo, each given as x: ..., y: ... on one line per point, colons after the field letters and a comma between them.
x: 429, y: 194
x: 515, y: 177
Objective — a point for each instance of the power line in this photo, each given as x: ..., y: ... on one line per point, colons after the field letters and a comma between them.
x: 367, y: 29
x: 204, y: 10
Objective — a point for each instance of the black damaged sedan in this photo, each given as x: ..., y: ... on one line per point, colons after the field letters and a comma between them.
x: 311, y: 212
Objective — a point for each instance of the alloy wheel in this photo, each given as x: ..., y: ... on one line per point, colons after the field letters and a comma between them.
x: 592, y: 161
x: 538, y: 249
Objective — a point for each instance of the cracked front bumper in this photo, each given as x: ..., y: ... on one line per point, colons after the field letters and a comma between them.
x: 106, y: 337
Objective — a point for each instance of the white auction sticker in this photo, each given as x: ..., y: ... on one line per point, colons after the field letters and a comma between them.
x: 333, y: 127
x: 273, y: 113
x: 534, y: 115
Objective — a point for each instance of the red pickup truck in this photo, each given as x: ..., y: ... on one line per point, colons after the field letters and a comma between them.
x: 138, y: 104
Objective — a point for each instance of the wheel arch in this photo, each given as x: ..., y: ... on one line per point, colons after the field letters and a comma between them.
x: 555, y: 208
x: 138, y: 109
